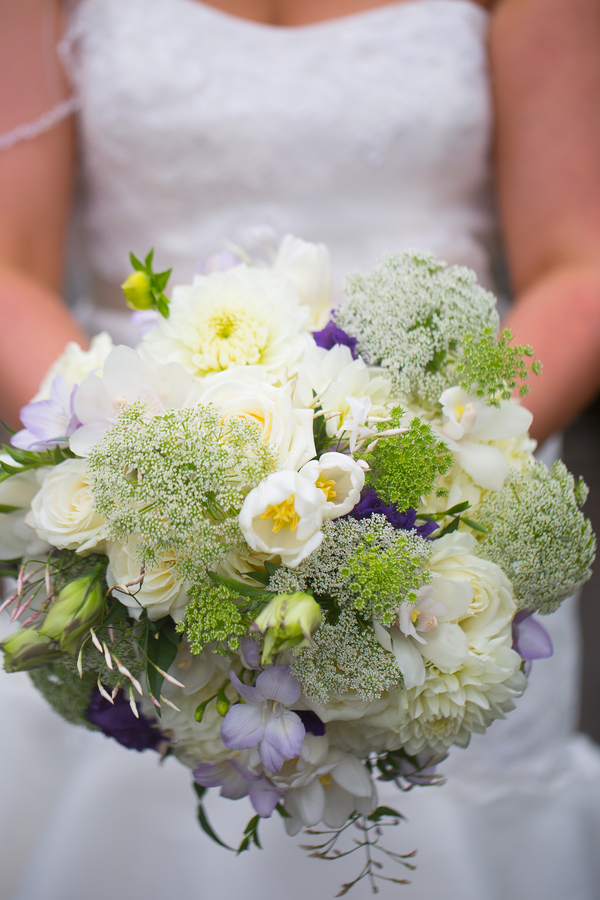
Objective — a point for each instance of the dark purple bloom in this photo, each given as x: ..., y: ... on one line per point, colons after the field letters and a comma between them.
x: 331, y: 335
x: 312, y: 723
x: 371, y: 504
x: 530, y: 638
x: 119, y: 722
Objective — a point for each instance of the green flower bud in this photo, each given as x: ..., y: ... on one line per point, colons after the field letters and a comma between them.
x: 223, y: 707
x: 138, y: 294
x: 26, y: 649
x: 287, y: 621
x: 78, y: 606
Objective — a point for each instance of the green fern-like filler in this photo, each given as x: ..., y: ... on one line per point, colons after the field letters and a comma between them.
x: 405, y: 466
x: 491, y: 369
x: 381, y: 581
x: 213, y: 615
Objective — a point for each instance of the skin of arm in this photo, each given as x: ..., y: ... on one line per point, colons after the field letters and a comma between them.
x: 545, y: 58
x: 36, y: 188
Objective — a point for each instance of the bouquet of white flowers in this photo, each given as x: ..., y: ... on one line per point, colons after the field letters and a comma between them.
x: 299, y: 549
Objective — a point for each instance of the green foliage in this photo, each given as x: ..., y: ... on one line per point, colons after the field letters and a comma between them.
x: 382, y: 579
x: 175, y: 484
x: 28, y: 459
x: 539, y: 536
x: 213, y: 614
x: 67, y: 693
x: 410, y: 315
x: 144, y: 289
x: 491, y: 369
x: 404, y: 467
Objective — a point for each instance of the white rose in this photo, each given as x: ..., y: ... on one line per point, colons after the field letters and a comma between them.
x: 160, y: 593
x: 74, y: 364
x: 283, y: 516
x: 243, y: 316
x: 62, y: 512
x: 287, y: 430
x: 16, y: 538
x: 309, y: 267
x: 340, y: 478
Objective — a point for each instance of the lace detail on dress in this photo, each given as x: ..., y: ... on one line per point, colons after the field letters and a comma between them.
x: 368, y: 132
x: 30, y: 130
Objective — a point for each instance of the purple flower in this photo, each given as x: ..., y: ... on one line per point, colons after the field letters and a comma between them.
x: 331, y: 335
x: 264, y: 719
x: 530, y: 638
x: 312, y: 723
x: 48, y: 423
x: 119, y: 722
x: 237, y: 781
x: 371, y: 504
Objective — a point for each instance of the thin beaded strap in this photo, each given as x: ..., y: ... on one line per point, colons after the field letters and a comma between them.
x: 30, y: 130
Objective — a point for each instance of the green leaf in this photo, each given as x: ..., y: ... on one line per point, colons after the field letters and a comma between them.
x: 474, y: 525
x: 261, y: 577
x: 203, y: 820
x: 251, y: 835
x: 382, y: 811
x: 162, y: 306
x: 282, y: 812
x: 460, y: 507
x: 137, y: 265
x: 161, y: 279
x: 452, y: 526
x: 244, y: 590
x: 162, y: 650
x: 272, y: 567
x: 148, y: 262
x: 8, y: 509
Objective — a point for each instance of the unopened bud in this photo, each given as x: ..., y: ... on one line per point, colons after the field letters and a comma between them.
x: 27, y: 649
x: 223, y: 707
x: 287, y: 621
x: 78, y: 606
x: 138, y: 294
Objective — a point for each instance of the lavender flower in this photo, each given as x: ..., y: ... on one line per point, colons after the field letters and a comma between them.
x: 48, y: 423
x: 331, y: 335
x: 264, y: 719
x: 118, y: 721
x: 371, y: 503
x: 237, y: 780
x: 530, y: 638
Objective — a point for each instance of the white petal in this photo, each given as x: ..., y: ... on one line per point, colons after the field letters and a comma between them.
x: 309, y: 802
x: 447, y: 646
x: 455, y: 594
x: 352, y: 776
x: 510, y: 420
x: 486, y: 465
x: 410, y: 662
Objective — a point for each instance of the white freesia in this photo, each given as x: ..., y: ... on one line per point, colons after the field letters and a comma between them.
x: 244, y: 316
x: 160, y: 593
x: 469, y: 426
x: 287, y: 430
x: 309, y: 268
x: 323, y: 784
x: 340, y: 478
x: 62, y: 512
x: 283, y: 516
x: 125, y: 378
x: 74, y: 364
x: 16, y: 537
x: 335, y: 377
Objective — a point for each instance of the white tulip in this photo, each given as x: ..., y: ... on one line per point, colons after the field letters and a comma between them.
x: 340, y: 478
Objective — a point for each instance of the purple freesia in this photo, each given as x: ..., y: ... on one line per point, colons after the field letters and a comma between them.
x: 48, y: 423
x: 371, y: 504
x: 237, y: 781
x: 332, y: 334
x: 265, y: 719
x: 312, y: 723
x: 530, y: 638
x: 249, y: 651
x: 118, y: 721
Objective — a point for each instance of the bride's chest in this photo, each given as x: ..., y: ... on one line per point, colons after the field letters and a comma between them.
x: 403, y: 85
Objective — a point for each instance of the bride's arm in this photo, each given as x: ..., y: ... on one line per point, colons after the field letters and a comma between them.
x: 35, y: 194
x: 546, y: 67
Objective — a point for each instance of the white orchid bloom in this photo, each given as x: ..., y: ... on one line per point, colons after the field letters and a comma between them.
x: 356, y: 426
x: 283, y: 515
x: 470, y: 424
x: 309, y: 268
x: 340, y: 478
x: 427, y: 630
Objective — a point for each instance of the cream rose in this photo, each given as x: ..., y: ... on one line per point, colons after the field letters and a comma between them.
x: 160, y: 593
x: 62, y: 512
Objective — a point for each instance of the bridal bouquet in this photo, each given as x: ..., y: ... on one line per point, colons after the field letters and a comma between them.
x: 298, y: 549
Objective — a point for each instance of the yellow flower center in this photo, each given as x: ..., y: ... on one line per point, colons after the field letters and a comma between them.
x: 327, y: 487
x: 415, y: 615
x: 459, y: 410
x: 283, y: 514
x: 223, y: 326
x: 326, y: 781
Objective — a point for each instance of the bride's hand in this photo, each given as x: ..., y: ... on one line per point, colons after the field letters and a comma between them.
x: 545, y: 57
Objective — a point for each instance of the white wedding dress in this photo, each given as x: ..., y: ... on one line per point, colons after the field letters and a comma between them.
x: 370, y: 133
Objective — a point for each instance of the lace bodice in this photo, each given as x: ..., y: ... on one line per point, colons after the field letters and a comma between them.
x: 368, y: 132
